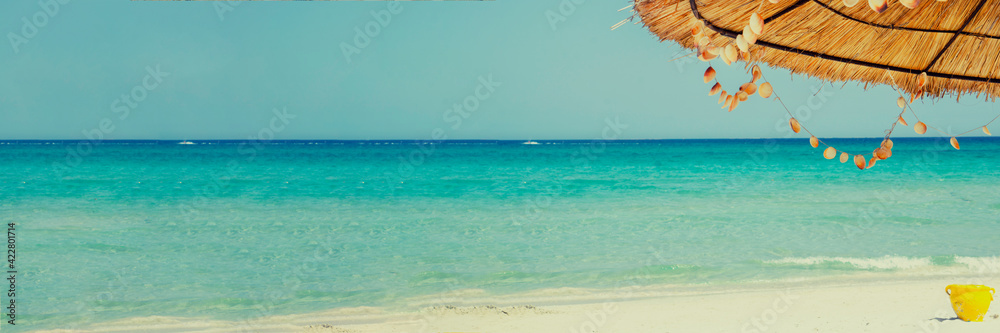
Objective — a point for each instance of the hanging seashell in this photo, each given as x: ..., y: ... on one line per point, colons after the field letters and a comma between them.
x: 729, y: 100
x: 878, y: 6
x: 731, y: 53
x: 987, y: 131
x: 749, y: 88
x: 813, y: 141
x: 829, y: 153
x: 918, y: 95
x: 888, y: 153
x: 755, y: 71
x: 766, y: 90
x: 696, y: 31
x: 795, y: 125
x: 742, y: 96
x: 741, y: 43
x: 887, y: 144
x: 732, y: 106
x: 706, y: 55
x: 859, y: 161
x: 843, y: 157
x: 722, y: 96
x: 909, y: 3
x: 881, y: 153
x: 745, y: 56
x: 715, y: 89
x: 749, y: 36
x: 920, y: 127
x: 902, y: 121
x: 872, y: 161
x: 922, y: 80
x: 901, y: 102
x: 698, y: 23
x: 713, y: 50
x: 704, y: 42
x: 709, y: 74
x: 850, y: 3
x: 756, y: 24
x: 954, y: 142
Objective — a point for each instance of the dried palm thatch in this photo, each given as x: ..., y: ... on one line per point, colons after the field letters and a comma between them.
x: 955, y: 42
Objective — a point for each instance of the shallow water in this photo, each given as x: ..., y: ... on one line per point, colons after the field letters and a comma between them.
x: 233, y: 230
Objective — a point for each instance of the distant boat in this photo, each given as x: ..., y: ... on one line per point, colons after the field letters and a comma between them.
x: 529, y: 142
x: 185, y: 142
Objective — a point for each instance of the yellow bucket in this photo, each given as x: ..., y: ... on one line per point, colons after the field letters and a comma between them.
x: 970, y: 301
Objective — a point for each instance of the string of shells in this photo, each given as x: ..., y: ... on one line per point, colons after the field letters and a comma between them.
x: 739, y: 49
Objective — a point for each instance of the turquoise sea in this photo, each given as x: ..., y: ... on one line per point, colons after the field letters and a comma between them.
x: 231, y: 230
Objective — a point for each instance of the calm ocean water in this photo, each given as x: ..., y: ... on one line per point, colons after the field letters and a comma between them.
x: 228, y: 230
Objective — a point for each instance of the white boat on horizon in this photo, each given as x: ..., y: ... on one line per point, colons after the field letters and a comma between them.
x: 529, y: 142
x: 185, y: 142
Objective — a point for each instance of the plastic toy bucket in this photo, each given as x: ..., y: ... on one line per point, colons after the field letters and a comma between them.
x: 970, y: 301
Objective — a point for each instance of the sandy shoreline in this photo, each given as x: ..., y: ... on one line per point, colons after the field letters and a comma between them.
x: 863, y: 305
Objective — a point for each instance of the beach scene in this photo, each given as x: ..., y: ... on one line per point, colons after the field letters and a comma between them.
x: 500, y: 166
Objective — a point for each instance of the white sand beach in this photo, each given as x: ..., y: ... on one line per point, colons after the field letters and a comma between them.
x: 905, y: 306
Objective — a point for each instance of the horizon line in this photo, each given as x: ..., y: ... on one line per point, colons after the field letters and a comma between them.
x: 459, y: 140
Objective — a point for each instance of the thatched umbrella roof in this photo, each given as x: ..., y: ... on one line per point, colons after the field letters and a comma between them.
x: 955, y: 42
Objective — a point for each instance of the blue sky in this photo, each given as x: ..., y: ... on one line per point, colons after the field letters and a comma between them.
x: 223, y: 73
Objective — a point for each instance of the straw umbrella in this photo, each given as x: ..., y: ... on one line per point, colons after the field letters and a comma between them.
x: 921, y: 48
